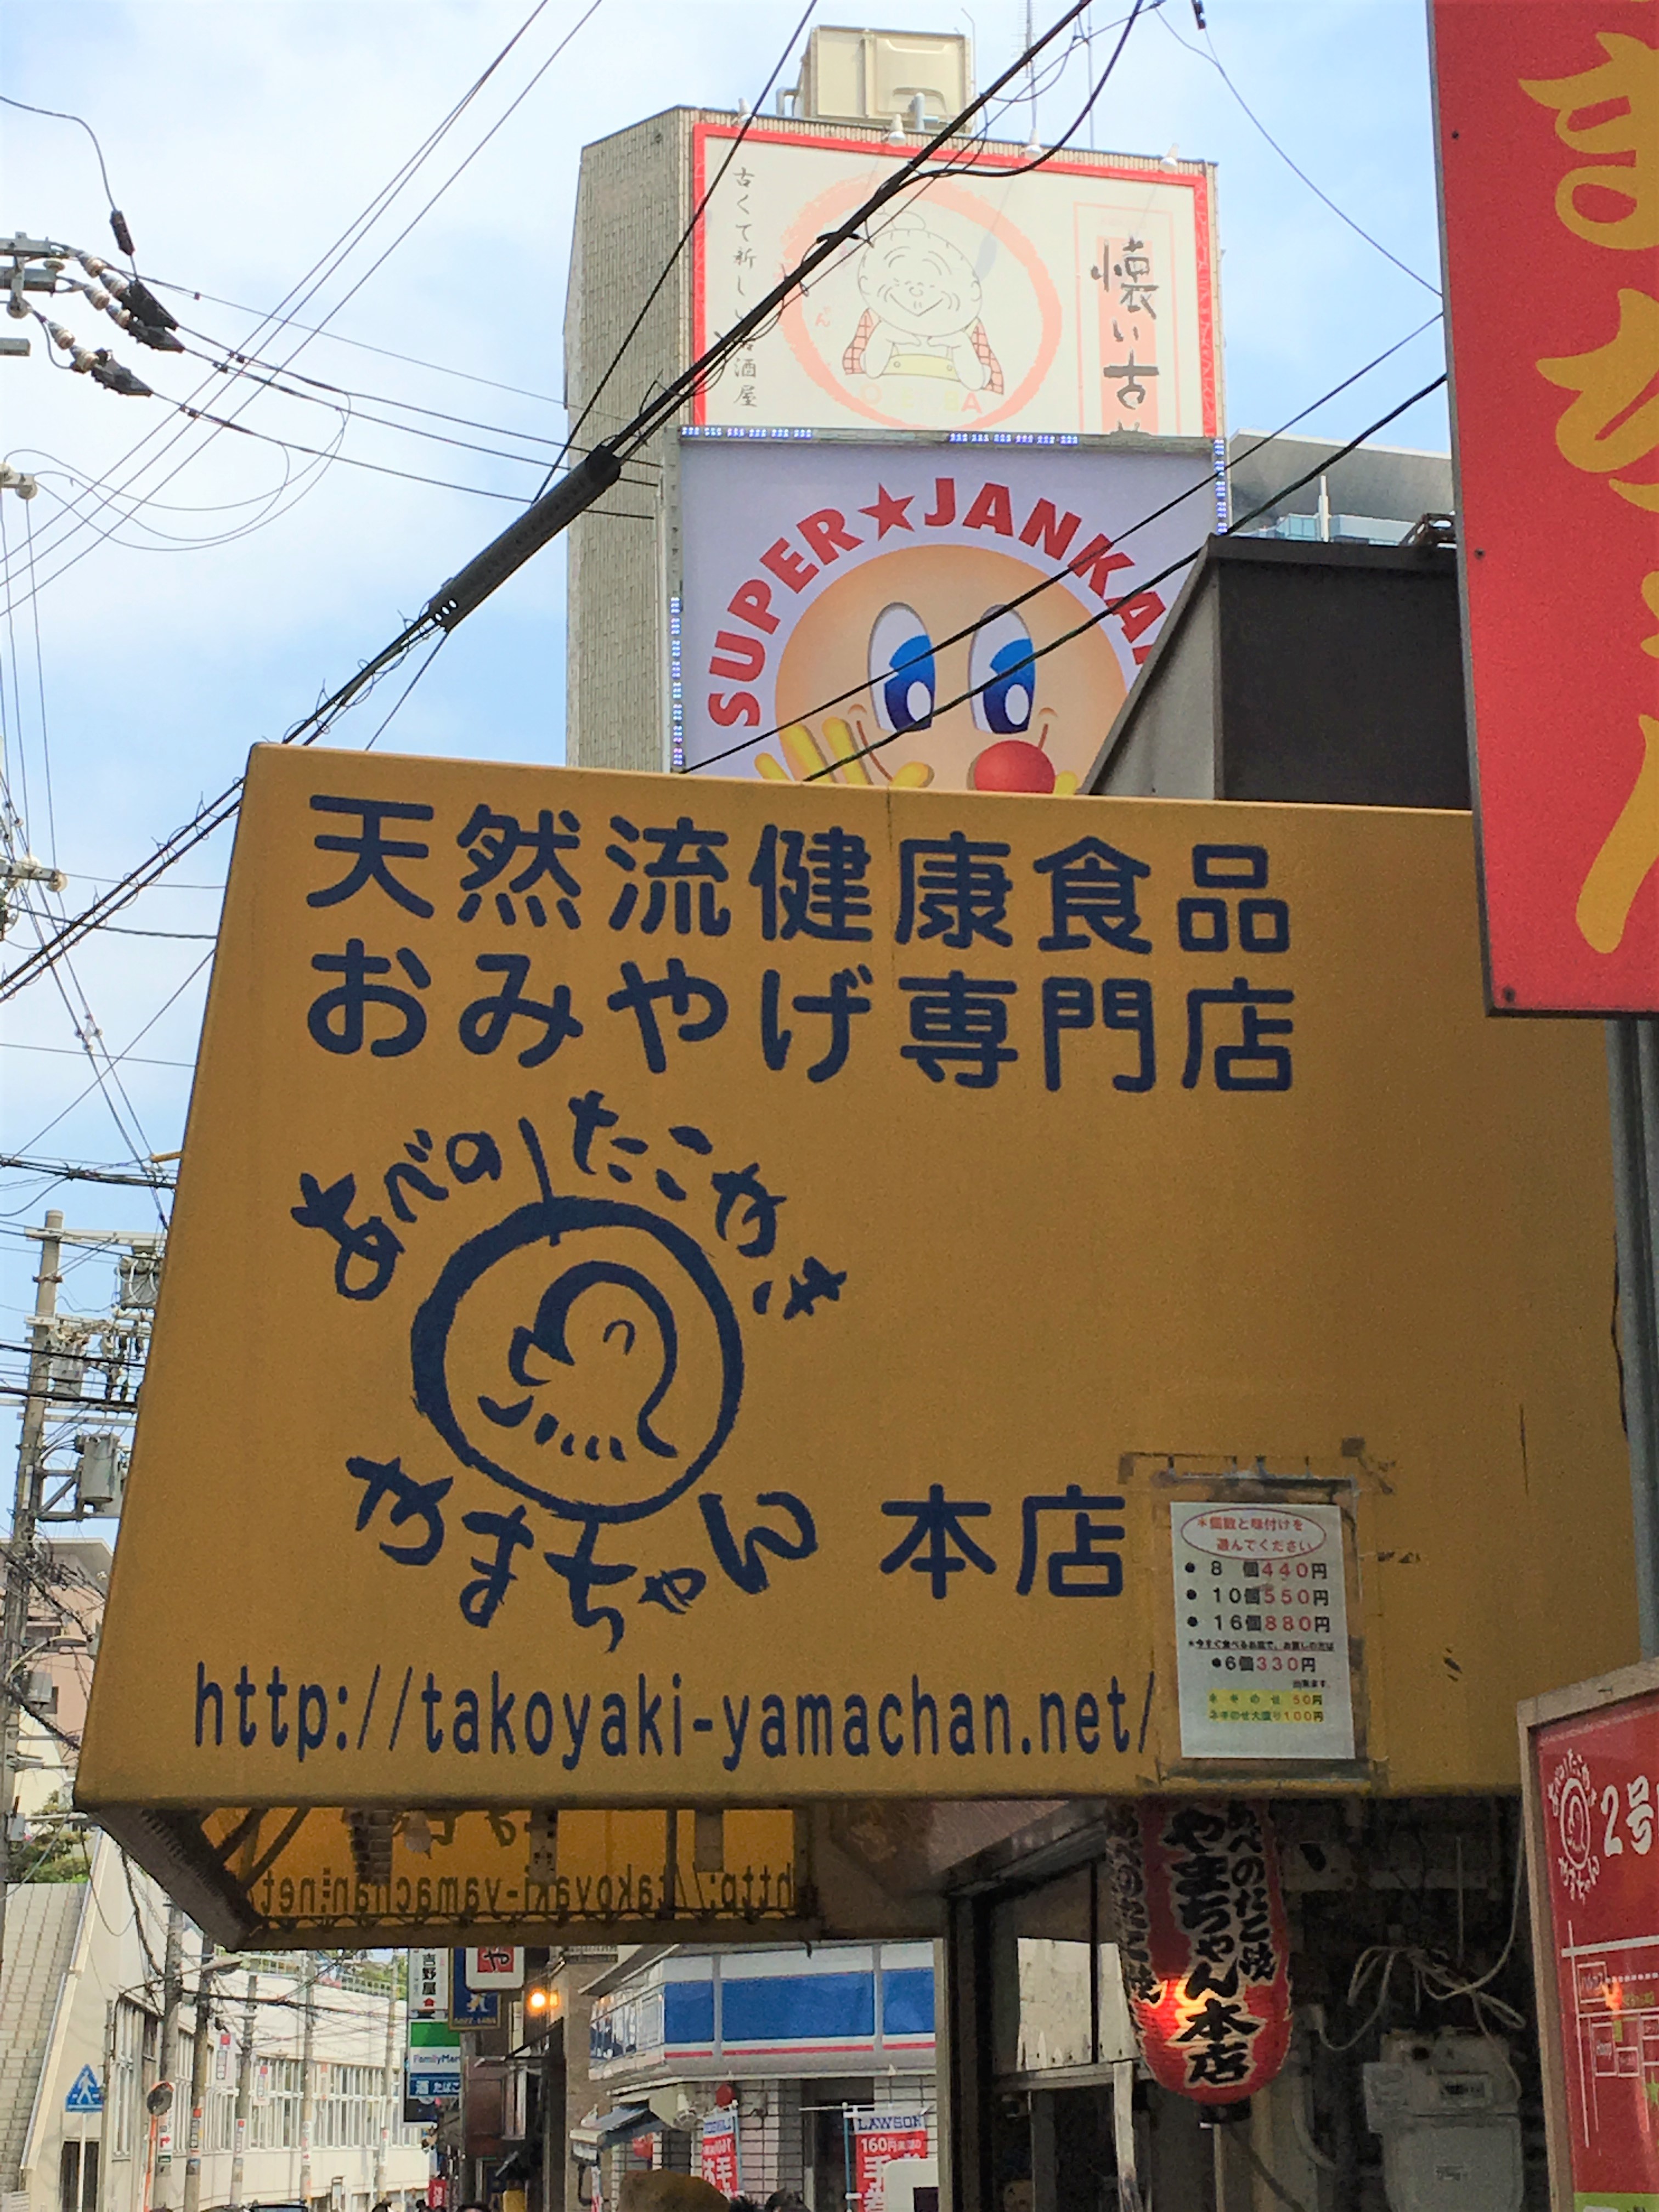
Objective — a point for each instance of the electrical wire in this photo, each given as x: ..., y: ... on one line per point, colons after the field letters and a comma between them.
x: 30, y: 1143
x: 40, y: 688
x: 68, y: 1052
x: 1207, y: 53
x: 1145, y: 583
x: 138, y: 1916
x: 84, y: 1027
x: 247, y: 363
x: 276, y: 504
x: 1434, y: 1976
x: 361, y: 345
x: 685, y: 239
x: 63, y: 1171
x: 1202, y: 485
x: 58, y: 115
x: 349, y: 460
x: 674, y: 396
x: 212, y: 815
x: 308, y: 286
x: 438, y: 644
x: 1265, y: 2175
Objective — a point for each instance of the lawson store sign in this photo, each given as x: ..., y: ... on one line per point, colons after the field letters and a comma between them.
x: 853, y: 2001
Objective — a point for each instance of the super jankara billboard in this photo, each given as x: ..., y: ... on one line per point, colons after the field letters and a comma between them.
x: 1549, y: 161
x: 1078, y: 297
x: 901, y: 607
x: 698, y: 1291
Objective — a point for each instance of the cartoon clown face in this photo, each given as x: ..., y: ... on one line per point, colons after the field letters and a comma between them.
x: 1033, y: 725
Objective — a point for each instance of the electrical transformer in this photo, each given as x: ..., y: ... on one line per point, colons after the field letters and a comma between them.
x: 1446, y: 2107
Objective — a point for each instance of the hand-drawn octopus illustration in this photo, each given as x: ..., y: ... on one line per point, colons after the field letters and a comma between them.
x: 582, y: 1353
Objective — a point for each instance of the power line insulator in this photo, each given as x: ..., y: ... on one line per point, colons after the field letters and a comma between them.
x: 115, y: 376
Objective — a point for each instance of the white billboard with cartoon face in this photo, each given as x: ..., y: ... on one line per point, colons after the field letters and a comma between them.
x: 871, y: 609
x: 1078, y: 297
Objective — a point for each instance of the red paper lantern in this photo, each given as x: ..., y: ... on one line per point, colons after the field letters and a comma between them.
x: 1204, y: 1945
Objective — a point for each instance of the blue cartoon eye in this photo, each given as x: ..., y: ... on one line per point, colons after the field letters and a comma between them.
x: 902, y: 677
x: 1002, y: 674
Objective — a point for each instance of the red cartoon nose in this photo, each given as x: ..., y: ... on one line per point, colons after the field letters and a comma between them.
x: 1014, y: 764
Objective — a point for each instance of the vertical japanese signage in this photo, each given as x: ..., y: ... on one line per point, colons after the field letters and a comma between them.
x: 429, y: 1985
x: 1078, y: 297
x: 1261, y: 1632
x: 717, y: 2151
x: 1549, y: 161
x: 878, y: 2138
x: 1593, y: 1788
x: 1205, y: 1944
x: 710, y: 1253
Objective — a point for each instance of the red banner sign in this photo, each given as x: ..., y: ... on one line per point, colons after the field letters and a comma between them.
x: 1548, y: 115
x: 717, y: 2152
x: 878, y: 2139
x: 1597, y: 1791
x: 1206, y: 1949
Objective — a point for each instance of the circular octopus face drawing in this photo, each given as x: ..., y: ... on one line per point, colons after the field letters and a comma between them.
x: 584, y: 1354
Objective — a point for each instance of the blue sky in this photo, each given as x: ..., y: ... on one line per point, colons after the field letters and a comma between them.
x: 242, y: 137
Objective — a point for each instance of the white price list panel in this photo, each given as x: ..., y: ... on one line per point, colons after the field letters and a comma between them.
x: 1261, y: 1632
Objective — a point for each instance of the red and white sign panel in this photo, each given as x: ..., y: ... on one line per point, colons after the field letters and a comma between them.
x: 498, y: 1968
x: 1597, y: 1780
x: 878, y: 2138
x: 1077, y: 297
x: 717, y: 2152
x: 1548, y: 112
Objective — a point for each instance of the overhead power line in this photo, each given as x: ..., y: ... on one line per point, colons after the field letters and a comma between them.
x: 118, y: 221
x: 307, y: 288
x: 1145, y: 583
x: 543, y: 520
x: 1207, y: 52
x: 685, y: 239
x: 1201, y: 484
x: 64, y: 1171
x: 668, y: 402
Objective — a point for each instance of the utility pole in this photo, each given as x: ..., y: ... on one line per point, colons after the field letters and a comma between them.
x: 389, y: 2087
x: 61, y: 1353
x: 172, y: 1991
x: 308, y: 2076
x: 14, y: 1615
x: 243, y: 2087
x: 108, y: 2086
x: 199, y: 2076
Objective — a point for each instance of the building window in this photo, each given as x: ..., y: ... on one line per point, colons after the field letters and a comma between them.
x: 78, y: 2178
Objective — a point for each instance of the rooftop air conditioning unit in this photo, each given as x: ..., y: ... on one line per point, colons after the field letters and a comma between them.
x: 873, y: 76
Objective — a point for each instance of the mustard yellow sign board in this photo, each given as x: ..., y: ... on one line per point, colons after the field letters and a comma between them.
x: 682, y: 1291
x: 308, y: 1880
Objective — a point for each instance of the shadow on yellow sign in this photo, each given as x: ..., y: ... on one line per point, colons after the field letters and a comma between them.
x: 321, y: 1874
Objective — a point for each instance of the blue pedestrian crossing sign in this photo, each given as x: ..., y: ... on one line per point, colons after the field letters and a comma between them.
x: 85, y: 2096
